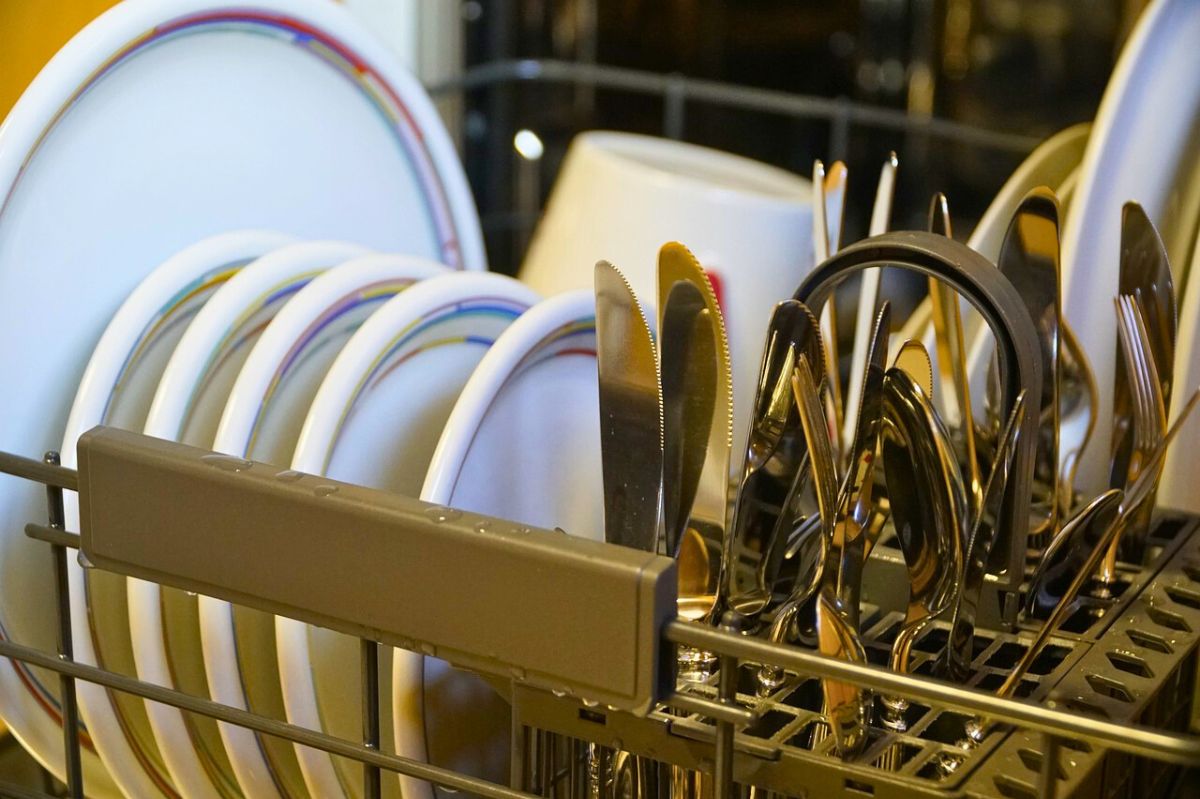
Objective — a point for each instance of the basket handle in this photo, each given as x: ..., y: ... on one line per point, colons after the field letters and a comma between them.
x: 991, y: 293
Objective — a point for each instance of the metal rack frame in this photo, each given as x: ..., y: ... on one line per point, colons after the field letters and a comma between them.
x: 113, y: 475
x: 134, y: 467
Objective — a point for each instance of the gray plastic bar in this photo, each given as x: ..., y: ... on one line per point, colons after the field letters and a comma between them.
x: 511, y: 601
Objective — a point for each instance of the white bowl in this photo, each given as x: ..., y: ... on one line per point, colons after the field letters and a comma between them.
x: 621, y: 196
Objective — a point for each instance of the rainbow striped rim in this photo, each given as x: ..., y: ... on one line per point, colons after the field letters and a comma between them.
x: 412, y: 341
x: 301, y: 350
x: 328, y: 49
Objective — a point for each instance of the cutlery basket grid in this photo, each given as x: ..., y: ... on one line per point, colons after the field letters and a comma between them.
x: 1142, y: 670
x: 780, y: 752
x: 1090, y: 616
x: 1082, y: 676
x: 1133, y: 662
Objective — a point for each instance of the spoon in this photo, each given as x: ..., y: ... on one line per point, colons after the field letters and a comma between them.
x: 847, y: 706
x: 773, y: 466
x: 856, y: 500
x: 1029, y: 258
x: 956, y: 661
x: 929, y: 512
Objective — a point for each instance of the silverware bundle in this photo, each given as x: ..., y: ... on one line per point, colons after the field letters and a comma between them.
x: 973, y: 504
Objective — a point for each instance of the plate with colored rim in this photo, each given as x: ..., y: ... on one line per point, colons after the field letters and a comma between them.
x: 375, y: 421
x: 162, y: 122
x: 1144, y: 147
x: 522, y: 443
x: 116, y: 389
x: 262, y: 420
x: 164, y: 622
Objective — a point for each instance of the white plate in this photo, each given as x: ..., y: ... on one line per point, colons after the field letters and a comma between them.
x: 187, y: 407
x: 1142, y: 148
x: 522, y: 443
x: 1181, y: 472
x: 116, y: 389
x: 163, y: 122
x: 375, y: 421
x: 262, y: 421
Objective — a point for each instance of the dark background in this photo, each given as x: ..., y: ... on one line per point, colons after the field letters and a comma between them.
x: 1030, y: 67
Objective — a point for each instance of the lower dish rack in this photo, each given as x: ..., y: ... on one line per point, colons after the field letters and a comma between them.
x: 1106, y: 711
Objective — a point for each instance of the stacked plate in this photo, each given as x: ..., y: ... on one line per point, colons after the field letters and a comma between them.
x: 243, y: 226
x: 240, y: 224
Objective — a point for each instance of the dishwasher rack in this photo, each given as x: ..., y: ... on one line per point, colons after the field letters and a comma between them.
x: 573, y: 672
x: 575, y: 676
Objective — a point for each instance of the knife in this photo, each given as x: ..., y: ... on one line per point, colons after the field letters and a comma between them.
x: 952, y: 358
x: 630, y: 415
x: 710, y: 508
x: 688, y: 363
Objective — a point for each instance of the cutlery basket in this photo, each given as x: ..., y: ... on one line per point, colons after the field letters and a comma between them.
x: 1130, y: 660
x: 596, y: 666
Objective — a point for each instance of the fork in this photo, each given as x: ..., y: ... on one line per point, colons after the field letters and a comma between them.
x: 1149, y: 418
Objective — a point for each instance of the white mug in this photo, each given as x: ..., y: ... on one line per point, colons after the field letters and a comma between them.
x: 621, y: 196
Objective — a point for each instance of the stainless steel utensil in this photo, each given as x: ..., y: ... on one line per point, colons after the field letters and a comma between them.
x: 689, y: 373
x: 630, y: 414
x: 774, y: 465
x: 914, y: 359
x: 856, y: 503
x: 868, y: 295
x: 847, y: 706
x: 1148, y: 424
x: 1029, y: 257
x: 952, y: 359
x: 688, y: 364
x: 929, y: 506
x: 956, y: 660
x: 1143, y: 267
x: 700, y: 550
x: 829, y: 195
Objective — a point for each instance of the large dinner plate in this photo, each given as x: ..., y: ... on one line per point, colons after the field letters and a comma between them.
x: 187, y: 407
x: 375, y: 421
x: 522, y: 443
x: 162, y: 122
x: 117, y: 387
x: 262, y: 420
x: 1143, y: 148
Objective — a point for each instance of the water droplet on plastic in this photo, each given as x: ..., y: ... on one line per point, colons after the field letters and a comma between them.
x: 288, y: 475
x: 617, y: 743
x: 428, y: 649
x: 192, y: 594
x: 325, y: 490
x: 406, y: 643
x: 227, y: 463
x: 522, y: 530
x: 516, y: 673
x: 483, y: 527
x: 589, y: 702
x: 447, y: 789
x: 439, y: 513
x: 560, y: 692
